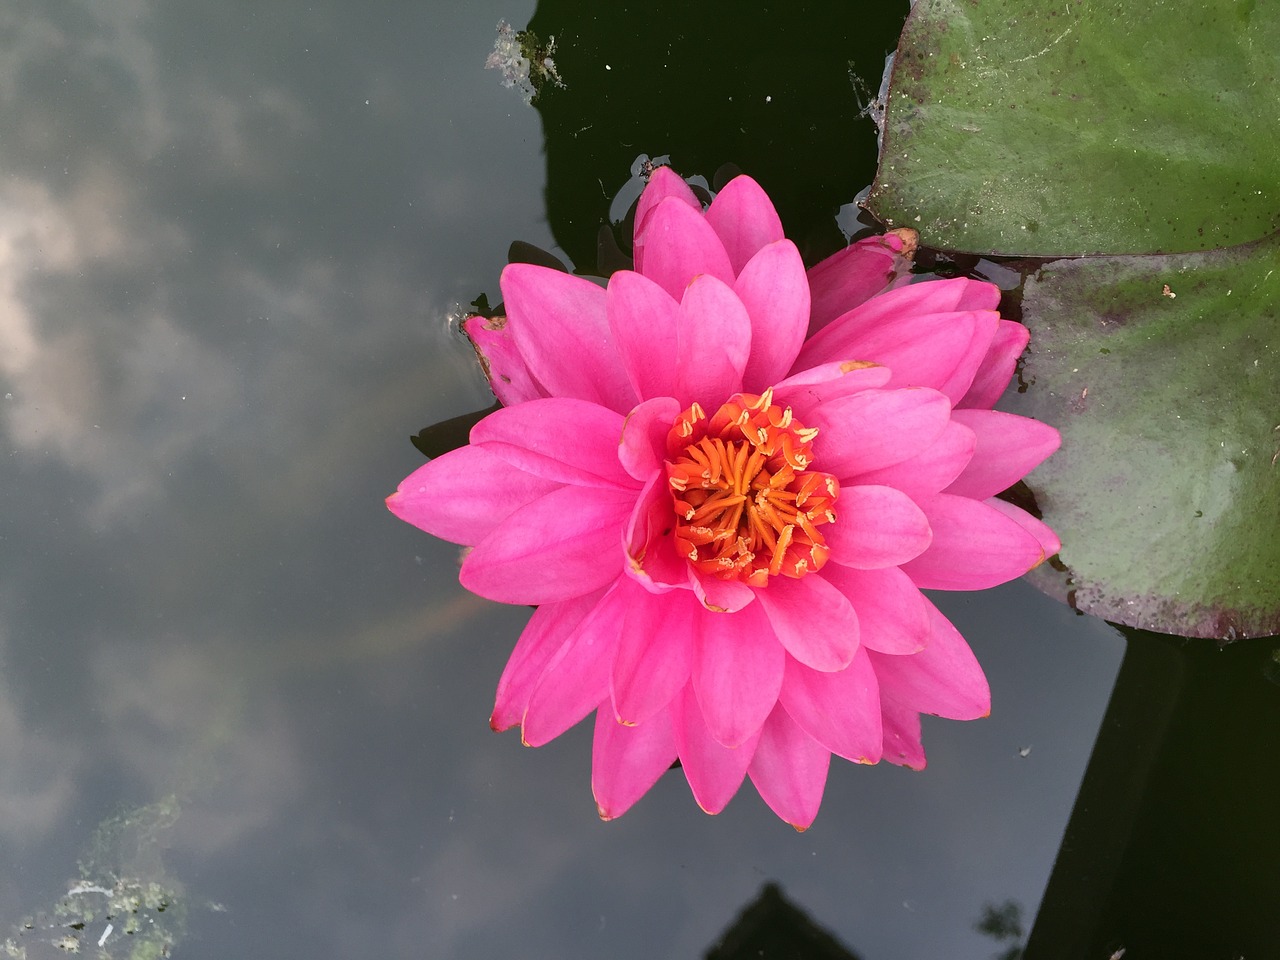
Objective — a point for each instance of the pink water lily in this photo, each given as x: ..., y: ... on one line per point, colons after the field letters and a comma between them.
x: 725, y: 481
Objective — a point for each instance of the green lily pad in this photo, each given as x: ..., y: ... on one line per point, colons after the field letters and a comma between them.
x: 1163, y: 375
x: 1024, y: 128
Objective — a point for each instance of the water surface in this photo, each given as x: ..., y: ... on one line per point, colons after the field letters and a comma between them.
x: 232, y: 239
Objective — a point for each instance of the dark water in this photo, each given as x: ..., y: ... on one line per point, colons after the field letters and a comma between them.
x: 232, y: 238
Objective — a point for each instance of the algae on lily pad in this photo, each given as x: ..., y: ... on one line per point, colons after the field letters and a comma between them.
x: 1163, y: 374
x: 1022, y: 128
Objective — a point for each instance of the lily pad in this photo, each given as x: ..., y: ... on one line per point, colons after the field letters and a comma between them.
x: 1023, y: 128
x: 1163, y: 374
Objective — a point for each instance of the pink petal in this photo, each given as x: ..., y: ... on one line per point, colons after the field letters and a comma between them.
x: 773, y: 289
x: 978, y: 295
x: 550, y: 627
x: 717, y: 595
x: 714, y: 344
x: 1049, y: 542
x: 570, y: 441
x: 652, y: 560
x: 627, y: 761
x: 663, y: 183
x: 814, y: 621
x: 643, y: 446
x: 876, y: 428
x: 790, y: 770
x: 943, y: 679
x: 902, y: 743
x: 547, y: 310
x: 562, y: 545
x: 884, y: 311
x: 737, y: 672
x: 996, y: 369
x: 714, y: 771
x: 656, y: 643
x: 984, y: 325
x: 575, y: 680
x: 854, y: 275
x: 929, y: 472
x: 893, y: 615
x: 465, y: 494
x: 505, y: 368
x: 876, y: 527
x: 974, y: 547
x: 955, y: 386
x: 743, y: 216
x: 811, y: 388
x: 958, y: 293
x: 938, y: 350
x: 840, y: 710
x: 645, y: 321
x: 1009, y: 447
x: 679, y: 245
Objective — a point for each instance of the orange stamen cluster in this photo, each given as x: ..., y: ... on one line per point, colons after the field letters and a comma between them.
x: 747, y: 507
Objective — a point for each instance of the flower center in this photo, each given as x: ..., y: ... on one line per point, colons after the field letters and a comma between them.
x: 747, y: 507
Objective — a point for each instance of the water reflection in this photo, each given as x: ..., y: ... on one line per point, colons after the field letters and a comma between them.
x: 231, y: 238
x: 772, y: 926
x: 1002, y: 922
x: 1172, y: 846
x: 766, y: 88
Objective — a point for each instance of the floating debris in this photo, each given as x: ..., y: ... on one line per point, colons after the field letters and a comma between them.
x: 524, y: 61
x: 122, y: 905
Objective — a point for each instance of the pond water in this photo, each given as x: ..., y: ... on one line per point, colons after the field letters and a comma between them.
x: 235, y: 242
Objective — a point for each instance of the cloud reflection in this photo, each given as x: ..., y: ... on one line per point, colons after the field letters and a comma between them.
x: 218, y: 327
x: 39, y: 776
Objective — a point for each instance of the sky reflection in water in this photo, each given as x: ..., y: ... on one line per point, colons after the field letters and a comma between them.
x: 230, y: 244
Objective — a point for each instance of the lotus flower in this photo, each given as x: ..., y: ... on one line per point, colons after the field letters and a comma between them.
x: 724, y: 482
